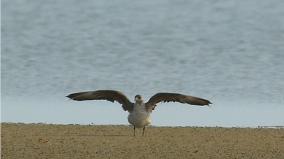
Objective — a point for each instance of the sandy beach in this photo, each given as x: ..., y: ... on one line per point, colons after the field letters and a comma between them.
x: 28, y: 141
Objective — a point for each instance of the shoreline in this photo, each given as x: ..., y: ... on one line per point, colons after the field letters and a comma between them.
x: 154, y: 126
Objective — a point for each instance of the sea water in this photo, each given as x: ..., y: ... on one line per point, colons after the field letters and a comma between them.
x: 230, y: 52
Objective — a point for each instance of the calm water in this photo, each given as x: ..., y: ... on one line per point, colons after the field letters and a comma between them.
x: 228, y: 51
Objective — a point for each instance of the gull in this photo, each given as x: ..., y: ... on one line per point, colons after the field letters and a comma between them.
x: 139, y: 112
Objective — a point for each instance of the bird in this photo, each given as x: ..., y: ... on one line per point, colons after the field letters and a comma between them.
x: 139, y: 111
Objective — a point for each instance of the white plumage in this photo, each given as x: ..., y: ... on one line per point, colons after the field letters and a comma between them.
x: 139, y: 117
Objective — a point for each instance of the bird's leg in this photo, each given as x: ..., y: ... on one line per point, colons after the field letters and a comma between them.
x: 143, y: 131
x: 134, y: 131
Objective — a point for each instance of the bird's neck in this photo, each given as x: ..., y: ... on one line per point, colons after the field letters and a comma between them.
x: 139, y: 104
x: 139, y: 107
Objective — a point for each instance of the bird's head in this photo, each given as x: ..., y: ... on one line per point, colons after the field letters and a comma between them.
x: 138, y: 99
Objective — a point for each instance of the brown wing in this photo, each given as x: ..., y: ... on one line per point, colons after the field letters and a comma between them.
x: 109, y: 95
x: 175, y: 97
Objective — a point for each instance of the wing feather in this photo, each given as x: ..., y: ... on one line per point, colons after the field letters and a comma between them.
x: 175, y: 97
x: 109, y: 95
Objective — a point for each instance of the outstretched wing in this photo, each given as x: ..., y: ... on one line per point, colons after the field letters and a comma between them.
x: 175, y: 97
x: 109, y: 95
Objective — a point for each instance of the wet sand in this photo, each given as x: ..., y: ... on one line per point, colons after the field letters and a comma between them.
x: 33, y: 141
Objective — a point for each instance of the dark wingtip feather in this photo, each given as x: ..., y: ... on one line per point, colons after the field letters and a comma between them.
x: 70, y: 96
x: 202, y: 102
x: 73, y: 95
x: 208, y: 103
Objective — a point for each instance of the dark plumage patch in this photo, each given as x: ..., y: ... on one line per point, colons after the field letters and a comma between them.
x: 175, y: 97
x: 109, y: 95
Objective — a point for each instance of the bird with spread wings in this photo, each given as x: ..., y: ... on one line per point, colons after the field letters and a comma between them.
x: 139, y: 111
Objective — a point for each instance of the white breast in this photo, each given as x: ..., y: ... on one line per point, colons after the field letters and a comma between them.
x: 139, y: 117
